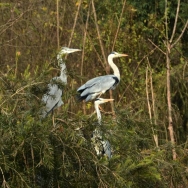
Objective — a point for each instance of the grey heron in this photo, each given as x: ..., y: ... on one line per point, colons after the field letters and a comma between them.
x: 99, y: 85
x: 52, y: 99
x: 101, y: 146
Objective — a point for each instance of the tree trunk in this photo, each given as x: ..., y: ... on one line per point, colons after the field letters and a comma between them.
x: 170, y: 122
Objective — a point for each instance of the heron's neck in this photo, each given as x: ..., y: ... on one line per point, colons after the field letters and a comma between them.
x: 63, y: 74
x: 114, y: 67
x: 59, y: 58
x: 98, y: 113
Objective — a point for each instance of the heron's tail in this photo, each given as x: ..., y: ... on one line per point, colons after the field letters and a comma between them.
x: 80, y: 98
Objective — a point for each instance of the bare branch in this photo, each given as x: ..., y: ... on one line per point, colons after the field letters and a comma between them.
x: 186, y: 25
x: 166, y: 19
x: 157, y: 47
x: 84, y: 41
x: 134, y: 74
x: 147, y: 94
x: 122, y: 11
x: 98, y: 32
x: 74, y: 25
x: 83, y: 51
x: 57, y: 10
x: 175, y: 22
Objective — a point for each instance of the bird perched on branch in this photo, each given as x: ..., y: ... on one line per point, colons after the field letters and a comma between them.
x: 102, y: 147
x: 52, y: 99
x: 99, y: 85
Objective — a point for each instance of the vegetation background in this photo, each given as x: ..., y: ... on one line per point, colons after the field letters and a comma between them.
x: 148, y: 132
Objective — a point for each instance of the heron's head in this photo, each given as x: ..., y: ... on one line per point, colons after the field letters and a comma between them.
x: 116, y: 54
x: 66, y: 50
x: 101, y: 100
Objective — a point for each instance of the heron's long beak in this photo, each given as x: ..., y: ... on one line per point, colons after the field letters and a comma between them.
x: 71, y: 50
x: 107, y: 100
x: 123, y: 55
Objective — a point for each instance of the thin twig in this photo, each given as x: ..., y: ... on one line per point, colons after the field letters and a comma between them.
x: 134, y: 74
x: 155, y: 136
x: 74, y: 25
x: 166, y: 19
x: 117, y: 31
x: 180, y: 36
x: 147, y: 94
x: 157, y: 47
x: 98, y: 32
x: 175, y: 22
x: 83, y: 52
x: 57, y: 10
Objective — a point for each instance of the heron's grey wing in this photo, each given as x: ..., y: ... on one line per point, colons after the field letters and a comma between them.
x: 89, y: 83
x: 52, y: 99
x: 107, y: 148
x: 99, y: 84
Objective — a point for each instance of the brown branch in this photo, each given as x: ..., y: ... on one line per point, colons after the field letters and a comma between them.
x: 84, y: 41
x: 98, y: 32
x: 12, y: 21
x: 57, y: 9
x: 155, y: 136
x: 170, y: 125
x: 134, y: 74
x: 147, y: 95
x: 83, y: 52
x: 157, y: 47
x: 122, y: 11
x: 166, y: 19
x: 175, y: 22
x: 74, y: 25
x: 180, y: 36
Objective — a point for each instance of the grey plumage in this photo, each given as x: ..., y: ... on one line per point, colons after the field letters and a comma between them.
x: 99, y: 85
x: 102, y: 146
x: 52, y: 99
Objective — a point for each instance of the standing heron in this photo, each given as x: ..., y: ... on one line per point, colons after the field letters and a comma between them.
x: 52, y: 99
x: 99, y: 85
x: 102, y: 147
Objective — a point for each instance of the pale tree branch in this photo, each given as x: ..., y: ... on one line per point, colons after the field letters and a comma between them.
x: 180, y: 36
x: 151, y: 52
x: 166, y: 19
x: 175, y: 22
x: 83, y: 51
x: 75, y: 21
x: 57, y: 10
x: 168, y: 84
x: 155, y: 136
x: 98, y: 32
x: 157, y: 47
x: 147, y: 95
x: 122, y: 11
x: 84, y: 41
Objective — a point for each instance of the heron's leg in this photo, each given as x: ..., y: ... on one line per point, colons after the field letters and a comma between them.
x: 100, y: 95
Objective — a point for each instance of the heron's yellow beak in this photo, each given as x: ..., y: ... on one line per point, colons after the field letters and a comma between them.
x: 123, y: 55
x: 107, y: 100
